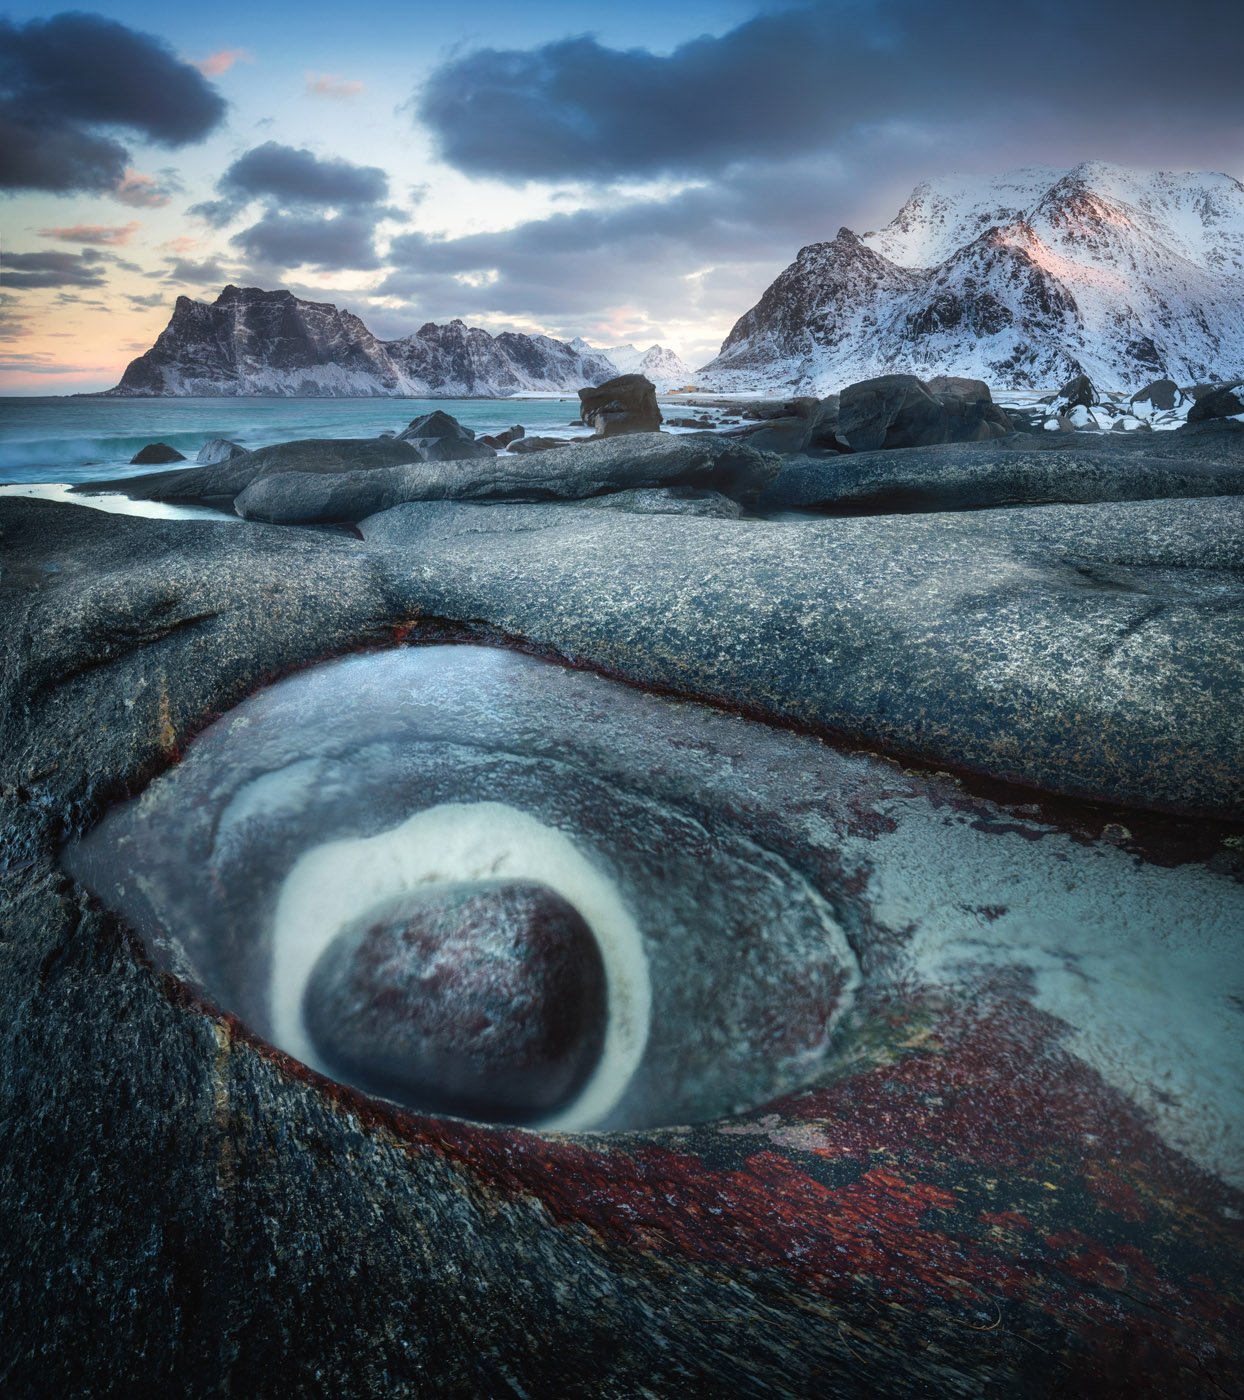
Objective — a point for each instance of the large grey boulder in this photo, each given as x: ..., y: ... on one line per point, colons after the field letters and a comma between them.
x: 216, y: 450
x: 1039, y: 469
x: 225, y: 480
x: 1162, y: 394
x: 1093, y: 650
x: 589, y: 468
x: 1078, y: 392
x: 894, y: 410
x: 971, y: 414
x: 437, y: 424
x: 155, y: 454
x: 449, y: 448
x: 627, y: 404
x: 1223, y: 401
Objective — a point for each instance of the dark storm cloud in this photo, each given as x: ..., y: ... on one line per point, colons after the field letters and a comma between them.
x: 26, y: 271
x: 68, y: 84
x: 805, y: 78
x: 290, y: 240
x: 319, y: 211
x: 291, y: 176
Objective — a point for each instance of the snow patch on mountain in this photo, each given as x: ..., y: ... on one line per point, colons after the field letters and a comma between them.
x: 1022, y: 280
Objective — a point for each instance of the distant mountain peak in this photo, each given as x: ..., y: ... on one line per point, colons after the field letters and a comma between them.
x: 1021, y: 279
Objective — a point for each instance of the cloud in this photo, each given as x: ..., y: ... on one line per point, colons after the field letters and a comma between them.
x: 330, y: 244
x: 318, y: 211
x: 147, y: 303
x: 293, y: 176
x: 222, y: 60
x: 329, y: 85
x: 141, y: 191
x: 200, y: 274
x: 68, y: 83
x: 36, y: 270
x: 102, y: 235
x: 810, y: 77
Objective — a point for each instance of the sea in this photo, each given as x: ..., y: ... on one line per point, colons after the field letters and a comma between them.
x: 72, y: 439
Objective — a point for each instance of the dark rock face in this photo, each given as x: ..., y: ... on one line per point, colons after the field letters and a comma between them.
x: 1222, y: 401
x: 484, y: 1000
x: 1078, y: 392
x: 154, y: 454
x: 500, y: 441
x: 895, y: 410
x: 1160, y: 394
x: 217, y: 450
x: 627, y: 404
x: 450, y: 449
x: 436, y: 424
x: 971, y: 414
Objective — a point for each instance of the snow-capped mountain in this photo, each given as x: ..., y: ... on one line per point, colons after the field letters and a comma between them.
x: 663, y: 366
x: 273, y: 344
x: 1022, y: 280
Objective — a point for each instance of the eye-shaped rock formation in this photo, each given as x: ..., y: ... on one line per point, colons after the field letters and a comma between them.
x: 1014, y: 1167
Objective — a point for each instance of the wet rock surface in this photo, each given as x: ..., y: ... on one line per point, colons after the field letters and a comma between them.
x: 989, y: 1197
x: 154, y: 454
x: 486, y: 1000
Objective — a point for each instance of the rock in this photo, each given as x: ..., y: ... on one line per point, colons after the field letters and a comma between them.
x: 1077, y: 604
x: 627, y: 404
x: 781, y: 435
x: 484, y: 999
x: 895, y: 410
x: 593, y: 468
x: 500, y: 441
x: 538, y: 444
x: 155, y: 454
x: 685, y: 422
x: 146, y: 1131
x: 450, y: 449
x: 1037, y: 470
x: 971, y: 414
x: 1077, y: 393
x: 1223, y: 401
x: 228, y: 479
x: 825, y: 425
x: 388, y: 433
x: 1160, y: 394
x: 216, y: 450
x: 436, y: 424
x: 668, y: 500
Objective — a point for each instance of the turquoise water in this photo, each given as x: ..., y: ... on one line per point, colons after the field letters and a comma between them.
x: 70, y: 439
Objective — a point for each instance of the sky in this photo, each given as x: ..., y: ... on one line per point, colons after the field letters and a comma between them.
x: 632, y: 172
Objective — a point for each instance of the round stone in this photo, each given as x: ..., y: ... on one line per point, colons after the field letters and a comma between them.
x: 485, y: 999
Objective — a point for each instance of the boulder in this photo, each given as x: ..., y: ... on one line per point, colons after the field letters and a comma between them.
x: 155, y: 454
x: 1223, y: 401
x: 825, y: 425
x: 627, y: 404
x: 895, y: 410
x: 216, y: 450
x: 1161, y: 394
x: 971, y: 414
x: 436, y: 424
x: 593, y: 468
x: 539, y: 444
x: 781, y: 435
x: 449, y: 449
x: 929, y: 635
x: 500, y: 441
x: 485, y: 999
x: 1078, y: 392
x: 227, y: 479
x: 1023, y: 470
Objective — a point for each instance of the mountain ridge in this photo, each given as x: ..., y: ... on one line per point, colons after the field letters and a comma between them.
x: 255, y: 343
x: 1023, y: 280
